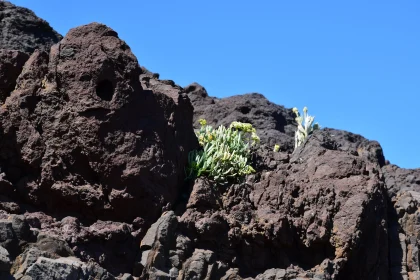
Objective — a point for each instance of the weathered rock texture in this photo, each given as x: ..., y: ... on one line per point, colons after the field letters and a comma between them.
x: 112, y: 245
x: 92, y: 157
x: 275, y: 124
x: 22, y: 30
x: 403, y: 189
x: 11, y: 64
x: 81, y: 139
x: 321, y: 211
x: 79, y: 133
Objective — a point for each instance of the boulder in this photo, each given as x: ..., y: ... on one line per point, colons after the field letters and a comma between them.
x: 23, y: 31
x: 156, y: 246
x: 82, y: 136
x: 66, y: 269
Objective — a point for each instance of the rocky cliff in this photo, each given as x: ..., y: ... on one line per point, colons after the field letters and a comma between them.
x: 92, y: 184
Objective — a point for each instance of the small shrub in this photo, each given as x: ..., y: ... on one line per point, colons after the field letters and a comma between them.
x: 305, y: 127
x: 225, y: 152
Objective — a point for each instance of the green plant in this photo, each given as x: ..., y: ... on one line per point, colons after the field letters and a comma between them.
x: 305, y: 126
x: 276, y: 148
x: 225, y: 152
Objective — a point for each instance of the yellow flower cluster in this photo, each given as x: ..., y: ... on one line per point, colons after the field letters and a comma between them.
x: 225, y: 152
x: 247, y: 128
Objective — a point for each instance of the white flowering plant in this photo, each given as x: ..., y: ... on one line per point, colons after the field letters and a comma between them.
x: 225, y: 152
x: 305, y: 126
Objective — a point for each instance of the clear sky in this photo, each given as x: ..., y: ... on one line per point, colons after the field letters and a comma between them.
x: 355, y: 64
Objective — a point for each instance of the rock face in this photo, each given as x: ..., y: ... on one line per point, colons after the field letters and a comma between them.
x: 11, y: 64
x: 321, y: 211
x: 23, y: 31
x: 275, y: 124
x: 92, y: 155
x: 403, y: 191
x: 47, y: 258
x: 83, y: 136
x: 113, y: 245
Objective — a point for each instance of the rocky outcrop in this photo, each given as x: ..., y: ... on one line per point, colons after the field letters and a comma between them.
x: 275, y: 124
x: 47, y: 258
x: 92, y: 155
x: 11, y: 64
x: 22, y: 30
x: 83, y: 136
x: 87, y: 155
x: 22, y: 33
x: 113, y: 245
x: 400, y: 180
x: 403, y: 189
x: 320, y: 212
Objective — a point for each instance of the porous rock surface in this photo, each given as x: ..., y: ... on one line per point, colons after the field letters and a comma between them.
x: 92, y: 155
x: 23, y: 31
x: 319, y: 213
x: 275, y: 124
x: 11, y: 64
x: 81, y: 139
x: 82, y: 135
x: 403, y: 192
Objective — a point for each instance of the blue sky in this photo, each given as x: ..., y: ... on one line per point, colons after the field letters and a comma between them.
x: 355, y: 64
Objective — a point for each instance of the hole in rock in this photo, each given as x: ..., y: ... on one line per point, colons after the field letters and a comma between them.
x: 244, y: 110
x: 105, y: 90
x: 295, y: 192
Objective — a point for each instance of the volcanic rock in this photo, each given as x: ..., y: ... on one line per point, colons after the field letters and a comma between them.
x: 11, y: 64
x: 22, y: 30
x: 92, y: 155
x: 274, y: 123
x: 403, y: 188
x: 82, y: 135
x: 321, y: 210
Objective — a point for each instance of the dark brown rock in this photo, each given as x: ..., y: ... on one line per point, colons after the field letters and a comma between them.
x: 318, y: 213
x: 403, y: 189
x: 23, y: 31
x: 83, y: 136
x: 324, y: 202
x: 357, y: 145
x: 93, y: 150
x: 400, y: 179
x: 274, y: 123
x: 11, y: 64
